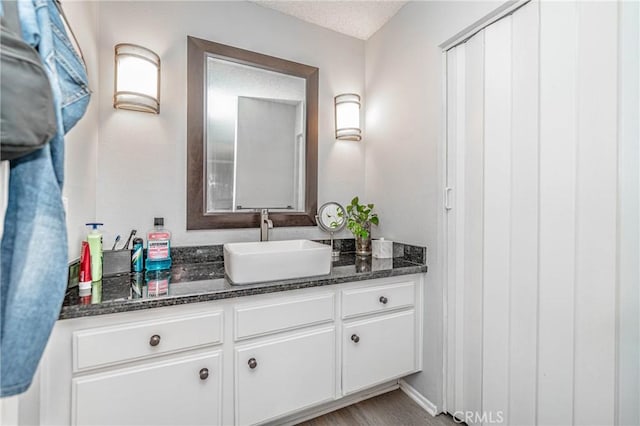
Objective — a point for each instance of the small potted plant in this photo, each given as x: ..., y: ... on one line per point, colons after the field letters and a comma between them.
x: 359, y: 220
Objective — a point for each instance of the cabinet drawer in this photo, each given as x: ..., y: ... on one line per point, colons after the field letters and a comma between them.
x: 377, y: 299
x: 284, y: 375
x: 280, y: 314
x: 109, y: 345
x: 377, y: 350
x: 182, y: 391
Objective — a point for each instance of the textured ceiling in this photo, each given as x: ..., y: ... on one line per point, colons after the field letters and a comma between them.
x: 356, y: 18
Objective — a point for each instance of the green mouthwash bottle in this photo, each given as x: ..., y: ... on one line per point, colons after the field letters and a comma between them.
x: 158, y: 247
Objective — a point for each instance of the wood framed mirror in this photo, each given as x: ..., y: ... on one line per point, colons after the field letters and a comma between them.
x: 252, y: 138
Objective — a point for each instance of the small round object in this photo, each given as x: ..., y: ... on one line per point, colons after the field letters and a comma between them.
x: 383, y: 300
x: 252, y: 363
x: 355, y: 338
x: 332, y: 217
x: 204, y: 374
x: 155, y: 340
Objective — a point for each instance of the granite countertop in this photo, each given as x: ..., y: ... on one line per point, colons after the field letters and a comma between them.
x: 205, y: 280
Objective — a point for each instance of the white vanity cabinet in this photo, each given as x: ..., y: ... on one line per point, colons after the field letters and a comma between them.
x: 380, y: 334
x: 283, y: 375
x: 378, y: 349
x: 103, y: 346
x: 248, y: 360
x: 285, y: 360
x: 181, y: 390
x: 117, y: 380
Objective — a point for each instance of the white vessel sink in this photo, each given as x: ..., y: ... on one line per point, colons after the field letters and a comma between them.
x: 247, y: 263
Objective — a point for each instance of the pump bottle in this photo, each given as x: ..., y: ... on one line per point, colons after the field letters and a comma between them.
x: 95, y: 248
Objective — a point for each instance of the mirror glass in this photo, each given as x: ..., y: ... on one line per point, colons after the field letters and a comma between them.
x: 252, y: 138
x: 255, y: 138
x: 331, y: 217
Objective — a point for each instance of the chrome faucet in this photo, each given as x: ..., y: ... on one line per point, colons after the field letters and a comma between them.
x: 265, y: 225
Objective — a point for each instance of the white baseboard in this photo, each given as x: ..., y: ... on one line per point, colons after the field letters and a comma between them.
x: 419, y: 399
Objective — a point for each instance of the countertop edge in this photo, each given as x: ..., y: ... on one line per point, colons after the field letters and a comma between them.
x: 237, y: 291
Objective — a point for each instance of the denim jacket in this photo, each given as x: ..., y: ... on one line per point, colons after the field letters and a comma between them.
x: 33, y: 275
x: 43, y: 28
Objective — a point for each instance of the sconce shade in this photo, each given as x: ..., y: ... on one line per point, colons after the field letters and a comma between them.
x: 137, y: 79
x: 347, y: 108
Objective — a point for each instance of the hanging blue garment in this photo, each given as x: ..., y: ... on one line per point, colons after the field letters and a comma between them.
x: 34, y: 270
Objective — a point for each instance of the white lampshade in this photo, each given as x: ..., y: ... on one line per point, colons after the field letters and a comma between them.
x: 348, y: 117
x: 137, y: 79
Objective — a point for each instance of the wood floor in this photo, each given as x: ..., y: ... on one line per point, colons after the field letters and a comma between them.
x: 390, y: 409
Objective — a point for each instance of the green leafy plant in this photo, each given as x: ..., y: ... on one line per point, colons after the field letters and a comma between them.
x: 360, y: 217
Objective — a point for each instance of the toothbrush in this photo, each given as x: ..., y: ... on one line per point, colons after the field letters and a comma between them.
x: 131, y: 235
x: 115, y: 242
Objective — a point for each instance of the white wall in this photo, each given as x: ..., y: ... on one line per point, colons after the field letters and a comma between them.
x: 81, y: 143
x: 403, y: 131
x: 142, y: 157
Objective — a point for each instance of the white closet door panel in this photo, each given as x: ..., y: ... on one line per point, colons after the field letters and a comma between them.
x: 595, y: 291
x: 537, y: 171
x: 452, y: 100
x: 460, y: 208
x: 473, y: 218
x: 558, y: 29
x: 629, y: 219
x: 524, y: 219
x: 497, y: 191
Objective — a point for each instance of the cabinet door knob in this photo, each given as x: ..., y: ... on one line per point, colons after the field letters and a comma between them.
x: 383, y: 300
x: 252, y: 363
x: 155, y: 340
x: 355, y: 338
x: 204, y: 374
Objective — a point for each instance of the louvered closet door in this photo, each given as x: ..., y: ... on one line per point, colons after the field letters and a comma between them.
x: 465, y: 124
x: 532, y: 236
x: 492, y: 87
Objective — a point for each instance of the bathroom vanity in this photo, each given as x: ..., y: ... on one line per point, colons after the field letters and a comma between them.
x: 208, y: 352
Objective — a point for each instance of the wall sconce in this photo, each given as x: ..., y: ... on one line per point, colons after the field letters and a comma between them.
x: 137, y: 79
x: 347, y: 108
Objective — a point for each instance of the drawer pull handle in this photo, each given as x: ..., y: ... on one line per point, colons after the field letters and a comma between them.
x: 252, y: 363
x: 155, y: 340
x: 383, y: 300
x: 355, y: 338
x: 204, y: 374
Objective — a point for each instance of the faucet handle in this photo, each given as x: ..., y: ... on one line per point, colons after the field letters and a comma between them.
x: 264, y: 217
